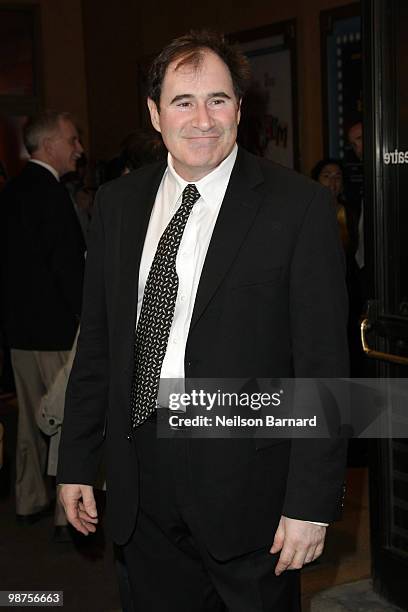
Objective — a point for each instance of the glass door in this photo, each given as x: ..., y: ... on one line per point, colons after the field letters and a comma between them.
x: 385, y: 332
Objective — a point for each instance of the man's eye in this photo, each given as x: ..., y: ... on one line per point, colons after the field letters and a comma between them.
x: 184, y: 104
x: 217, y: 101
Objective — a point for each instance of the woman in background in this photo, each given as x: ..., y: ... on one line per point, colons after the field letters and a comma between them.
x: 329, y: 172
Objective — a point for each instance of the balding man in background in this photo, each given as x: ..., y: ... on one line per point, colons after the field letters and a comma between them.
x: 42, y: 261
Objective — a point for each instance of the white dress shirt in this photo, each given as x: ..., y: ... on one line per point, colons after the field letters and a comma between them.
x: 192, y: 251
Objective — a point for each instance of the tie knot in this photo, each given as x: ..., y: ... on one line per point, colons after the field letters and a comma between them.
x: 190, y: 194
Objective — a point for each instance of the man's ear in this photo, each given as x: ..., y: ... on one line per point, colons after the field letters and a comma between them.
x: 47, y: 146
x: 154, y: 114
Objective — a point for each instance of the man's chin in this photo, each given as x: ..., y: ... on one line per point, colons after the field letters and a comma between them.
x: 205, y: 157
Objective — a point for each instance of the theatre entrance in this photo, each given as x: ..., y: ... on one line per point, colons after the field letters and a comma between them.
x: 385, y: 27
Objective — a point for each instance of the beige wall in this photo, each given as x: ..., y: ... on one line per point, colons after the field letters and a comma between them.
x: 64, y: 60
x: 112, y: 47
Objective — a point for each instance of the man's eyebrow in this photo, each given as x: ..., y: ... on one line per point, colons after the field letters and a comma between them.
x: 182, y: 97
x: 186, y: 96
x: 219, y: 94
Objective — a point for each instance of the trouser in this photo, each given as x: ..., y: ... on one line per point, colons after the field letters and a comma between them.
x: 34, y: 373
x: 169, y: 566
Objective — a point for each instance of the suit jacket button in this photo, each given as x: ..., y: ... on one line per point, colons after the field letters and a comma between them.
x: 129, y: 438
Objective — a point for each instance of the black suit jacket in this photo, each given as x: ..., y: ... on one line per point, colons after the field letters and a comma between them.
x: 42, y: 262
x: 271, y: 303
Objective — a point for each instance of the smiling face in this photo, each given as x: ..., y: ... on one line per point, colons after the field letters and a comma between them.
x: 198, y: 115
x: 64, y: 147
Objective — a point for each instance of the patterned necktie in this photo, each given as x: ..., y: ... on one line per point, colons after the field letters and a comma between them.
x: 157, y: 312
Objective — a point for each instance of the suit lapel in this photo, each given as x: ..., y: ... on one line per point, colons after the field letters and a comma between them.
x: 237, y: 214
x: 134, y: 222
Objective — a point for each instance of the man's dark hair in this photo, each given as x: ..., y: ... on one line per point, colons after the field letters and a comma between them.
x: 189, y: 50
x: 40, y: 126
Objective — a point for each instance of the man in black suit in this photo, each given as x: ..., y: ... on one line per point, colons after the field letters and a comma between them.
x: 42, y: 263
x: 227, y: 266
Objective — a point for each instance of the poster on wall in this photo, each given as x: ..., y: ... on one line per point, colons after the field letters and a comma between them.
x: 269, y: 112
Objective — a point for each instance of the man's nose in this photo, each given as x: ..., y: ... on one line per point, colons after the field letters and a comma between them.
x: 203, y: 119
x: 79, y: 147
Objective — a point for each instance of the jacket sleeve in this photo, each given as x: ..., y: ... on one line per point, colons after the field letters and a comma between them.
x: 87, y: 392
x: 318, y: 318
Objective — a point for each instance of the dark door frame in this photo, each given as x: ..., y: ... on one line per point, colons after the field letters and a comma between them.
x: 380, y: 87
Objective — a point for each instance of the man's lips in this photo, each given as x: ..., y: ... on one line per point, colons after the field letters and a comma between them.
x: 202, y: 136
x: 202, y: 139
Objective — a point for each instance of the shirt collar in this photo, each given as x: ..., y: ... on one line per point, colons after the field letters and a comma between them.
x: 46, y: 166
x: 211, y: 186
